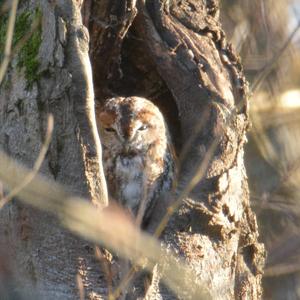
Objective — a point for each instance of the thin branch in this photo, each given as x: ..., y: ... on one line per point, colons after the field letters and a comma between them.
x: 265, y: 71
x: 106, y: 266
x: 282, y: 269
x: 125, y: 282
x: 30, y: 176
x: 18, y: 46
x: 195, y: 180
x: 80, y: 286
x: 9, y: 39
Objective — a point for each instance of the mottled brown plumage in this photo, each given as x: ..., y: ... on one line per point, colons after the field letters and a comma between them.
x: 138, y: 159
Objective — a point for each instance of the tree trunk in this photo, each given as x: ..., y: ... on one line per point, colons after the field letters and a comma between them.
x: 47, y: 257
x: 174, y: 53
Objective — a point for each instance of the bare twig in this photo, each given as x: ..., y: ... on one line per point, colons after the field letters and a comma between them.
x: 269, y: 65
x: 18, y: 46
x: 9, y: 38
x: 106, y: 266
x: 282, y: 269
x: 36, y: 166
x: 80, y: 286
x: 195, y: 180
x: 125, y: 282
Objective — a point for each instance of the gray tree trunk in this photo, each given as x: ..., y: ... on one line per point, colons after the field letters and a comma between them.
x: 47, y: 257
x: 176, y: 54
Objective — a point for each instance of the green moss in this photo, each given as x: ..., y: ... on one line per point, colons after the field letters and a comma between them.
x: 3, y: 28
x: 1, y: 3
x: 27, y: 55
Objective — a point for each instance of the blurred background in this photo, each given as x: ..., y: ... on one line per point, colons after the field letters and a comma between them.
x: 266, y: 34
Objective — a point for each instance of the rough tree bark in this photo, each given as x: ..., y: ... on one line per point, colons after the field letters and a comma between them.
x: 47, y: 257
x: 176, y: 54
x: 198, y: 70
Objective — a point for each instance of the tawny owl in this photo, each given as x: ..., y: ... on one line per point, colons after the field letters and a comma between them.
x: 138, y: 158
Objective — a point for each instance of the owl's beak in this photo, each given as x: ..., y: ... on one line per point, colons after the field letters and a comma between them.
x: 128, y: 151
x: 126, y: 148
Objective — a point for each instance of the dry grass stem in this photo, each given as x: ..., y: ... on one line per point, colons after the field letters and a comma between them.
x: 38, y: 163
x: 106, y: 266
x: 122, y: 235
x: 265, y: 71
x: 185, y: 192
x: 9, y: 39
x: 80, y: 286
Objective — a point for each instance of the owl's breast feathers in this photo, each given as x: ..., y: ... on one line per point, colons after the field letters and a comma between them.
x: 133, y: 178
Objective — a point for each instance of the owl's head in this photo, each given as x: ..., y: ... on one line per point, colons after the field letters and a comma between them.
x: 130, y: 125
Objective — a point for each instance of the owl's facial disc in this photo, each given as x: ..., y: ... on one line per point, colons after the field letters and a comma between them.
x: 132, y: 137
x: 130, y: 126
